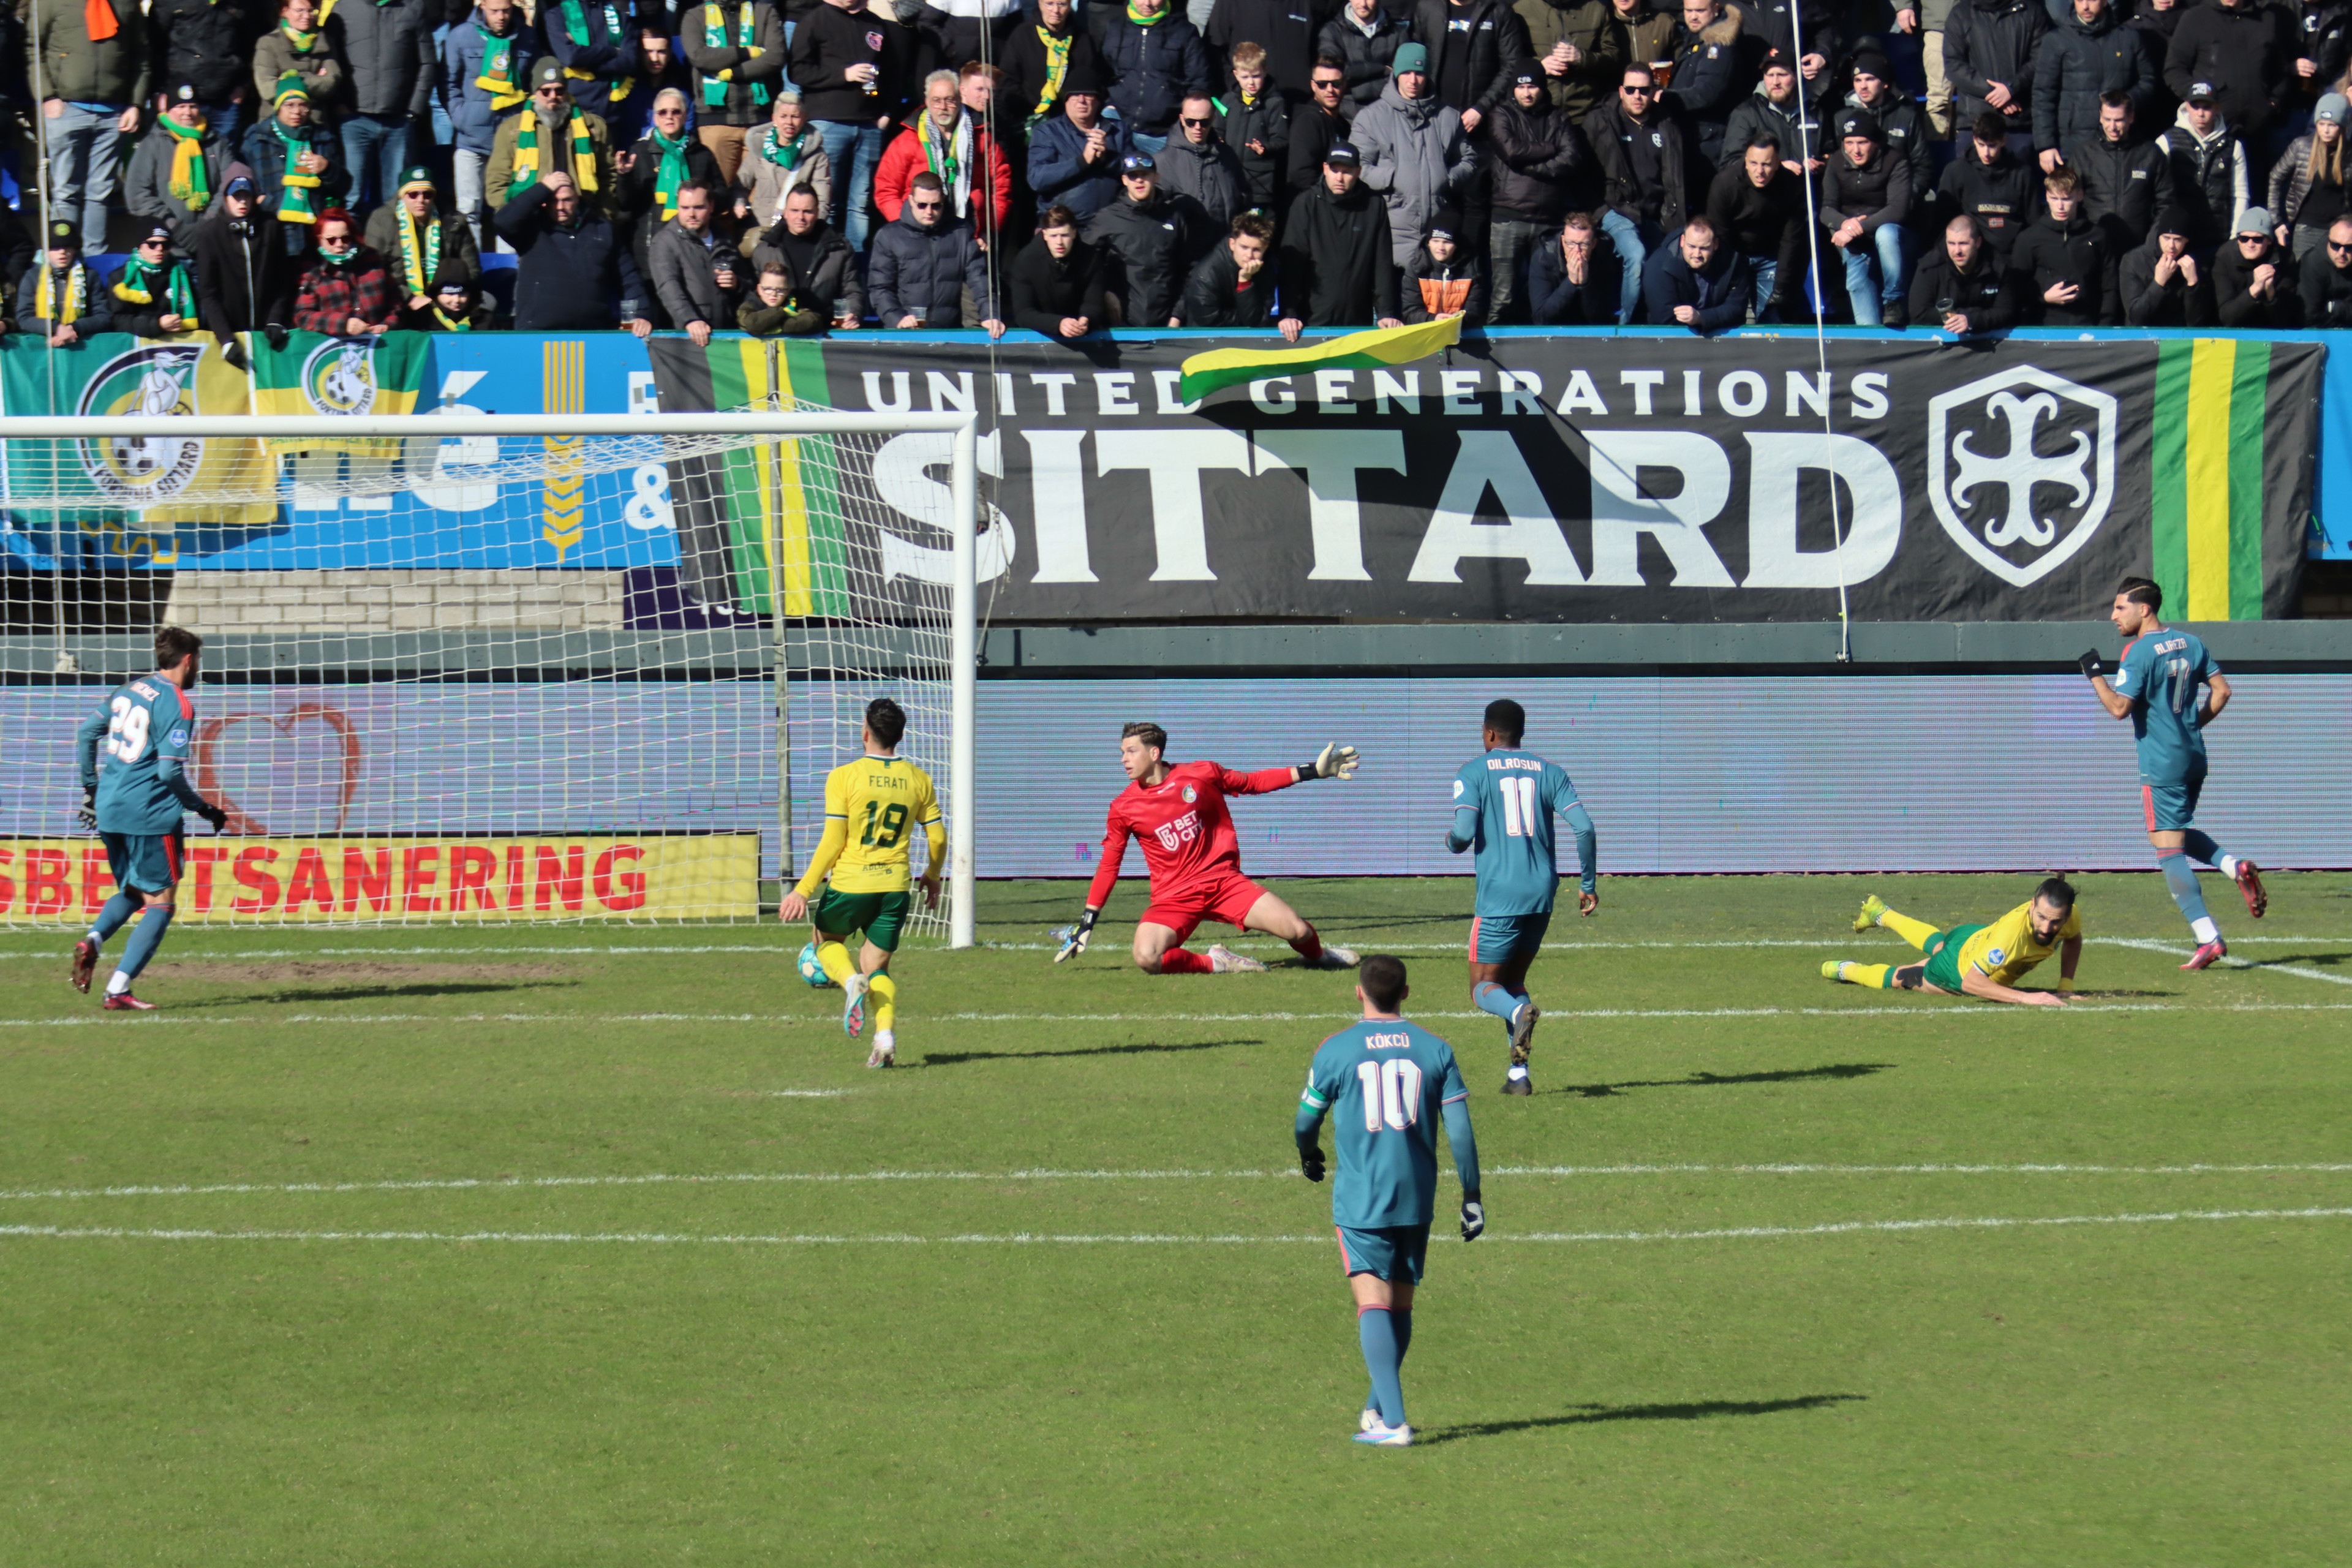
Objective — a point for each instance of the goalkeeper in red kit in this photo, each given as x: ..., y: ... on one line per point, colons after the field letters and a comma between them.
x: 1177, y: 810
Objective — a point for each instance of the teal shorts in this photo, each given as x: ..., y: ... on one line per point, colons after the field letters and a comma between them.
x: 1392, y: 1252
x: 878, y: 915
x: 148, y: 862
x: 1943, y: 952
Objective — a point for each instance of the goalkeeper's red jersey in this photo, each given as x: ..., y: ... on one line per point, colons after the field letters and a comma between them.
x: 1187, y: 834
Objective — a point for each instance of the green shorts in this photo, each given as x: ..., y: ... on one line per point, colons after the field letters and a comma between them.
x: 1943, y: 952
x: 878, y: 915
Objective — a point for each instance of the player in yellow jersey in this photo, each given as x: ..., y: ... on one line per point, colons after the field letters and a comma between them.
x: 1984, y: 961
x: 872, y: 808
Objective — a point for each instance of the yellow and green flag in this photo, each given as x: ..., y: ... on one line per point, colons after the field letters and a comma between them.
x: 2212, y: 399
x: 1375, y: 350
x: 314, y: 373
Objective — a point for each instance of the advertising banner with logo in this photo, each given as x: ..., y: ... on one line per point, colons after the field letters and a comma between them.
x: 1550, y: 479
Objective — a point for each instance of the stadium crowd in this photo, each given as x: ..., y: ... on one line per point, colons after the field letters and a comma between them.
x: 823, y: 164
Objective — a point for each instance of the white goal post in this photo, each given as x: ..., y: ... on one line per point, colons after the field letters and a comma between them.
x: 877, y: 624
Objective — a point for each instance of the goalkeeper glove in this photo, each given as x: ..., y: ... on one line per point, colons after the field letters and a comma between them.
x: 1310, y: 1162
x: 1336, y: 760
x: 1073, y: 938
x: 214, y: 817
x: 1474, y: 1219
x: 2091, y: 667
x: 85, y: 814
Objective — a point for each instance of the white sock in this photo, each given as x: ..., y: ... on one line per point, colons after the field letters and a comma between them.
x: 2228, y: 866
x: 117, y: 985
x: 92, y: 938
x: 1517, y: 1072
x: 2205, y: 930
x: 885, y: 1040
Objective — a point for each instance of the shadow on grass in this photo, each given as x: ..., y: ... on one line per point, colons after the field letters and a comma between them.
x: 1591, y: 1414
x: 955, y: 1058
x: 381, y: 993
x: 2324, y: 959
x: 1711, y: 1079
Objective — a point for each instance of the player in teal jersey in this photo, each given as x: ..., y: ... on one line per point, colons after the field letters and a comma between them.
x: 133, y: 791
x: 1503, y: 804
x: 2155, y: 688
x: 1387, y: 1084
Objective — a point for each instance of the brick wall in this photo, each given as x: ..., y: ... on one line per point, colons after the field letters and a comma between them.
x: 327, y: 603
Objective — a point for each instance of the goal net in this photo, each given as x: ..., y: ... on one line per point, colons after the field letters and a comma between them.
x: 465, y: 668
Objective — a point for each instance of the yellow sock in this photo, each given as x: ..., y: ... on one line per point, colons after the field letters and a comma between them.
x: 1872, y: 974
x: 884, y: 993
x: 1915, y: 933
x: 834, y: 958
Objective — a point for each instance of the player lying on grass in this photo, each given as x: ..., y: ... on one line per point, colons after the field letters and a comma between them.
x: 1984, y: 961
x: 133, y: 791
x: 870, y: 805
x: 1177, y: 810
x: 1504, y: 803
x: 1386, y: 1084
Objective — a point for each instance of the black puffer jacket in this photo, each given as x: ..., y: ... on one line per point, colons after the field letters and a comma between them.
x: 1878, y: 192
x: 1714, y: 69
x: 1208, y: 172
x: 2247, y: 50
x: 1365, y: 58
x: 245, y: 279
x: 1285, y: 30
x: 1214, y: 295
x: 1989, y: 41
x: 1046, y: 292
x: 1490, y: 30
x: 2175, y: 302
x: 2233, y: 299
x: 2123, y: 188
x: 2075, y: 65
x: 202, y: 43
x: 1149, y: 249
x: 2003, y: 196
x: 1267, y: 123
x: 2326, y: 291
x: 2049, y: 253
x: 1538, y: 156
x: 1986, y: 293
x: 1796, y: 124
x: 1433, y: 288
x: 1338, y: 265
x: 1153, y: 67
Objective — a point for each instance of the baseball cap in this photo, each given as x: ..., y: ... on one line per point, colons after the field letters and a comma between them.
x: 1138, y: 164
x: 2201, y: 92
x: 1343, y: 155
x: 1411, y: 57
x: 161, y: 231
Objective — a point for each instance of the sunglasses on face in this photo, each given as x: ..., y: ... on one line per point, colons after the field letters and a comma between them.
x: 928, y: 207
x: 2252, y: 238
x: 1634, y: 91
x: 671, y: 113
x: 1198, y: 125
x: 1326, y: 84
x: 2339, y: 250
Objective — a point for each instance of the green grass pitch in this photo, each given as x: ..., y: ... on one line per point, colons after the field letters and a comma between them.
x: 562, y: 1246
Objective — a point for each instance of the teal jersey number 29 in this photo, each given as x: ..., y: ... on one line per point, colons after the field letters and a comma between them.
x: 1514, y: 795
x: 1385, y: 1083
x: 132, y: 748
x: 2161, y: 672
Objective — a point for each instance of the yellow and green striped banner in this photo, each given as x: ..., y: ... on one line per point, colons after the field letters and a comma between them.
x: 808, y: 540
x: 2213, y: 396
x: 1374, y: 350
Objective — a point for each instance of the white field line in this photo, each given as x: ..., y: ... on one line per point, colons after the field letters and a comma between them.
x: 760, y: 1178
x: 667, y: 1238
x: 2173, y: 949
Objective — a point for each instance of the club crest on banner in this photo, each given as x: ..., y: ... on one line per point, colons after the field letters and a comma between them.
x: 339, y: 377
x: 2021, y: 469
x: 157, y: 379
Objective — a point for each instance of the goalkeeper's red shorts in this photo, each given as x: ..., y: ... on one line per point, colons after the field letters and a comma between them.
x: 1229, y: 897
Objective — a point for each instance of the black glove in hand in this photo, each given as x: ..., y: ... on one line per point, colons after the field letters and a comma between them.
x: 214, y: 817
x: 1311, y: 1162
x: 2091, y: 667
x: 1474, y: 1219
x: 277, y: 336
x: 85, y: 814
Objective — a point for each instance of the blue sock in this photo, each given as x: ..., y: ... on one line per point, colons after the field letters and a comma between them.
x: 2200, y: 847
x: 2180, y: 880
x: 113, y: 917
x: 1401, y: 1323
x: 143, y: 943
x: 1488, y: 996
x: 1377, y: 1333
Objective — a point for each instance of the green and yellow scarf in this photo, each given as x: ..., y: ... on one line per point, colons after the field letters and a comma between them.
x: 670, y: 175
x: 1140, y: 20
x: 500, y: 62
x: 451, y: 324
x: 294, y: 194
x: 420, y: 254
x: 303, y: 42
x: 714, y: 37
x: 607, y: 30
x: 1058, y: 65
x: 527, y: 161
x: 142, y: 281
x: 192, y: 182
x: 46, y: 305
x: 949, y: 155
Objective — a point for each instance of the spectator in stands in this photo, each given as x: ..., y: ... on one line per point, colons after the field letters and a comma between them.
x: 1195, y: 163
x: 927, y: 269
x: 965, y: 30
x: 485, y: 76
x: 1444, y: 276
x: 1535, y: 152
x: 1056, y: 281
x: 94, y: 69
x: 1865, y: 201
x: 201, y: 45
x: 1364, y: 37
x: 1776, y: 109
x: 244, y: 277
x: 417, y: 241
x: 179, y: 165
x: 1993, y: 185
x: 554, y: 132
x: 1153, y: 56
x: 957, y: 145
x: 1577, y: 47
x: 825, y: 271
x: 1644, y: 182
x: 1415, y: 153
x: 2211, y: 176
x: 1573, y: 281
x: 301, y: 43
x: 649, y: 176
x: 1255, y: 121
x: 2244, y: 50
x: 2125, y: 182
x: 154, y: 292
x: 574, y: 273
x: 2081, y: 60
x: 1074, y: 158
x: 1756, y: 210
x: 1044, y: 55
x: 628, y: 114
x: 1234, y: 285
x: 1285, y: 30
x: 1770, y: 28
x: 1962, y: 289
x: 295, y: 164
x: 2063, y: 260
x: 597, y: 39
x: 1990, y: 49
x: 2306, y: 194
x: 60, y: 298
x: 1338, y: 262
x: 1932, y: 20
x: 1474, y: 48
x: 1150, y: 240
x: 2326, y: 279
x: 736, y: 51
x: 1644, y: 31
x: 772, y: 312
x: 1713, y: 71
x: 1315, y: 124
x: 2254, y: 284
x: 852, y: 88
x: 1905, y: 128
x: 789, y: 156
x: 344, y: 291
x: 1695, y: 283
x: 698, y: 278
x: 388, y: 47
x: 2322, y: 44
x: 454, y: 305
x: 2160, y: 283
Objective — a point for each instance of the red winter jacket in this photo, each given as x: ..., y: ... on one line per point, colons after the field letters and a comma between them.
x: 903, y: 160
